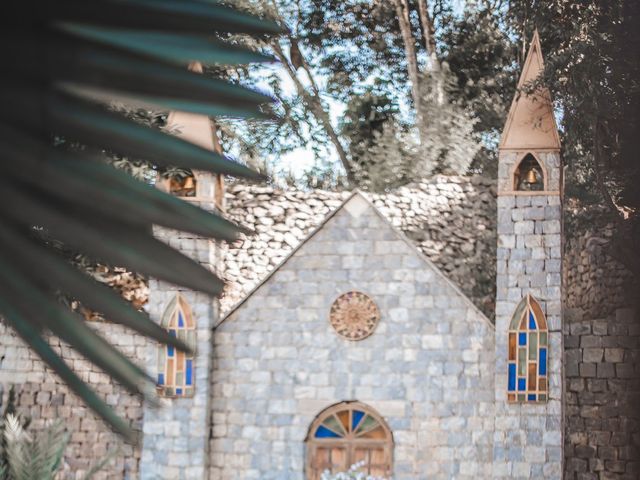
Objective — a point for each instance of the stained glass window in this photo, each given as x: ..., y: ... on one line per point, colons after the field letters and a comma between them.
x: 175, y: 368
x: 528, y: 354
x: 345, y: 434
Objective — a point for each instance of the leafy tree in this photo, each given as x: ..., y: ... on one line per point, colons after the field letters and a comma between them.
x: 60, y: 67
x: 482, y: 57
x: 341, y: 52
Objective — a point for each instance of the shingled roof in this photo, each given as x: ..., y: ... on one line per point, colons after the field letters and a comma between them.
x: 451, y: 219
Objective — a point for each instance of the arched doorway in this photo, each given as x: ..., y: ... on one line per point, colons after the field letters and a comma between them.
x: 345, y: 434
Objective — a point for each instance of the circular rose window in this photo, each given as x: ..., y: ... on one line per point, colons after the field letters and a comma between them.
x: 354, y: 315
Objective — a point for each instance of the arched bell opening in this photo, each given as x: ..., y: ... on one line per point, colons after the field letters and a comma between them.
x: 182, y: 184
x: 529, y: 175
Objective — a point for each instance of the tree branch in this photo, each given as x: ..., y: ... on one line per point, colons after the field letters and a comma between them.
x: 402, y: 12
x: 428, y: 31
x: 314, y: 104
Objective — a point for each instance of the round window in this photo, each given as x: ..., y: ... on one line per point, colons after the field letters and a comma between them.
x: 354, y: 315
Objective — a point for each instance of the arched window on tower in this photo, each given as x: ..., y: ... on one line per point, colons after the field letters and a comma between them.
x: 528, y: 354
x: 345, y: 434
x: 175, y: 368
x: 182, y: 183
x: 529, y: 176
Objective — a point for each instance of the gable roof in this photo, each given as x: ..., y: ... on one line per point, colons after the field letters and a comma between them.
x: 531, y: 124
x: 450, y: 219
x: 355, y: 203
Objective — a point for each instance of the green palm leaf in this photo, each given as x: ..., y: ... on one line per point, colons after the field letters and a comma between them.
x: 62, y: 63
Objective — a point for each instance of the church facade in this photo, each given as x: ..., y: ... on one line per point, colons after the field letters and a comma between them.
x: 357, y: 348
x: 425, y: 333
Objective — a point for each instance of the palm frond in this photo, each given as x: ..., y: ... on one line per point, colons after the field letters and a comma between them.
x: 62, y: 64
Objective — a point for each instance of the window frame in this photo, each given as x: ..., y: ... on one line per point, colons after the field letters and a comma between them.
x: 169, y: 358
x: 527, y: 327
x: 348, y: 442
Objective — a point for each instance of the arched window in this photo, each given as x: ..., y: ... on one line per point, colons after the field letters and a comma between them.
x: 529, y: 175
x: 183, y: 184
x: 175, y: 368
x: 528, y: 354
x: 345, y: 434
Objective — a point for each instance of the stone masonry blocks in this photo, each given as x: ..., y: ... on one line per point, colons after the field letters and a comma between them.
x: 427, y: 368
x: 528, y: 437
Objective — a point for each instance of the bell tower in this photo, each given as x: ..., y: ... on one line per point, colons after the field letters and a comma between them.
x: 176, y: 435
x: 528, y: 435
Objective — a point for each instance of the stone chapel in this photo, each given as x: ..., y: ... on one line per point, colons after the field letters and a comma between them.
x: 357, y: 348
x: 418, y: 332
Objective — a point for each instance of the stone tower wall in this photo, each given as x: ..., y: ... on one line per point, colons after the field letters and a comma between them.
x: 176, y: 435
x: 528, y: 436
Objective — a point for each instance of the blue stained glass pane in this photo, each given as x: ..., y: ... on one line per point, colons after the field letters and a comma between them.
x: 161, y: 379
x: 532, y: 397
x: 543, y: 361
x: 180, y: 320
x: 532, y: 321
x: 522, y: 339
x: 178, y: 391
x: 512, y: 377
x: 357, y: 416
x: 323, y: 432
x: 522, y: 384
x: 169, y: 351
x: 172, y: 333
x: 189, y: 367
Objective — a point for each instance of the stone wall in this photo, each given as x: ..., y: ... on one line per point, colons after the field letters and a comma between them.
x: 602, y: 358
x: 596, y: 282
x: 175, y: 440
x: 427, y: 368
x: 451, y: 219
x: 603, y: 394
x: 43, y: 397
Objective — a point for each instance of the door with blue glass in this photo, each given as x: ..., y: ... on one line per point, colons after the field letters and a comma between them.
x: 347, y: 434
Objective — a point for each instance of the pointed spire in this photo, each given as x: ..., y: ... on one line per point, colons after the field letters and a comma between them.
x: 193, y: 127
x: 531, y: 124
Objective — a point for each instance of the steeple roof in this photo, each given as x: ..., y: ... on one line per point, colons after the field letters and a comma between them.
x: 193, y: 127
x: 531, y: 124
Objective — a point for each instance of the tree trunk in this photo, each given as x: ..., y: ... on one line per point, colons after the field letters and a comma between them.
x: 402, y: 12
x: 315, y: 107
x: 428, y: 32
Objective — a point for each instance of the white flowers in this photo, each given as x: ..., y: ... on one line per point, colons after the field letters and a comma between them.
x: 352, y: 474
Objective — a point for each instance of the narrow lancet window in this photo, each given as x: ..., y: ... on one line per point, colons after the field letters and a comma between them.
x: 175, y: 368
x: 528, y: 354
x: 529, y: 176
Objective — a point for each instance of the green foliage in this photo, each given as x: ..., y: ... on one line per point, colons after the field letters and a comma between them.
x: 355, y: 56
x: 593, y: 68
x: 367, y: 118
x: 33, y: 456
x: 387, y: 153
x: 448, y: 141
x: 30, y: 456
x: 482, y: 57
x: 62, y: 68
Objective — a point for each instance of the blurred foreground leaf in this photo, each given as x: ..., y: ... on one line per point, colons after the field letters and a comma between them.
x: 62, y: 63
